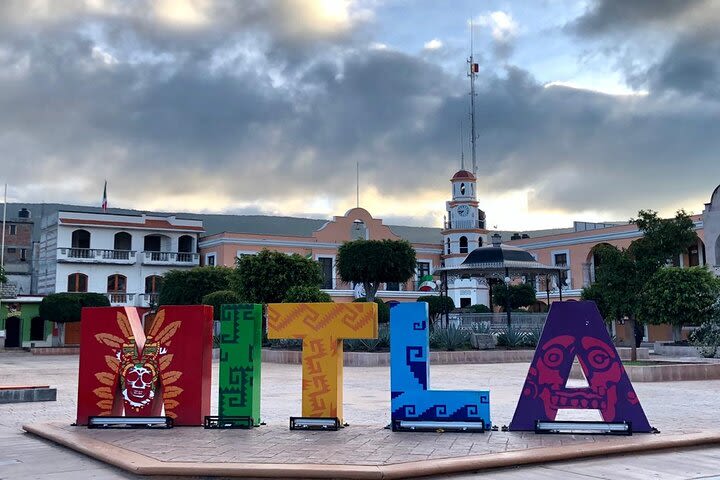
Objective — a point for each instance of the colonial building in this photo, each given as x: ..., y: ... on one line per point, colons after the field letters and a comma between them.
x: 123, y: 256
x: 320, y: 240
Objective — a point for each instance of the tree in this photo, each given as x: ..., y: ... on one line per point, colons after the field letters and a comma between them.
x: 622, y: 274
x: 67, y: 307
x: 267, y: 276
x: 306, y: 294
x: 437, y: 306
x: 188, y: 287
x: 663, y: 239
x: 679, y: 296
x: 372, y: 262
x: 3, y: 278
x: 220, y: 298
x: 521, y: 295
x: 383, y: 309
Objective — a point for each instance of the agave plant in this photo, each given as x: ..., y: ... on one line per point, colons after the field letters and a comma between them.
x: 450, y: 338
x: 511, y: 338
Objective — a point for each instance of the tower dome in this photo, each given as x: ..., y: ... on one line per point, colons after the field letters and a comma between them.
x: 463, y: 175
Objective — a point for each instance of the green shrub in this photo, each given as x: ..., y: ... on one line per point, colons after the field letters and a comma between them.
x: 370, y: 344
x: 67, y: 307
x: 306, y: 294
x: 511, y: 338
x: 285, y: 344
x: 383, y: 309
x: 188, y: 287
x: 450, y: 339
x: 480, y: 308
x: 220, y: 298
x: 707, y: 338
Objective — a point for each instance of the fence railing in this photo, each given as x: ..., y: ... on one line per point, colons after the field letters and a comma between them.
x: 497, y: 322
x: 409, y: 286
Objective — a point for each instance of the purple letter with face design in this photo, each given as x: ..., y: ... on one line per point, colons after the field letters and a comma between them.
x: 576, y: 329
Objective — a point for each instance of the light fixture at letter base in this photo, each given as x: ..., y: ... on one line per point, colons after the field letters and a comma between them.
x: 434, y: 426
x: 130, y: 422
x: 583, y: 427
x: 314, y: 423
x: 213, y: 421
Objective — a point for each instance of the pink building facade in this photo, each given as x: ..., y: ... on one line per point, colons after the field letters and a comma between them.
x: 322, y: 245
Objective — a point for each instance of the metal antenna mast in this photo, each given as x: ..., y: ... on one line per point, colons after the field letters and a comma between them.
x: 462, y: 148
x: 474, y: 67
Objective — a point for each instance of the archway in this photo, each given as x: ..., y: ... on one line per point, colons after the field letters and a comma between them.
x: 80, y: 244
x: 185, y: 248
x: 13, y: 332
x: 592, y: 263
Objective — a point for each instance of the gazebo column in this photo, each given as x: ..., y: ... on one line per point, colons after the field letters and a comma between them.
x: 507, y: 299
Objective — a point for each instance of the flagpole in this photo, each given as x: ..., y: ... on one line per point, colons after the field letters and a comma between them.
x: 2, y: 242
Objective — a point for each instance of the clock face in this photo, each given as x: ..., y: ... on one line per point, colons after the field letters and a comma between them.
x: 463, y: 210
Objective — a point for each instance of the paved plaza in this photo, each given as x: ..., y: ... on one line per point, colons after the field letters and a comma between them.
x: 679, y: 410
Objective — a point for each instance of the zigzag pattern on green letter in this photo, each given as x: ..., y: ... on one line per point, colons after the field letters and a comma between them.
x: 240, y: 349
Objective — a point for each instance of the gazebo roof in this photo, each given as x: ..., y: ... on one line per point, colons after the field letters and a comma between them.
x: 493, y: 259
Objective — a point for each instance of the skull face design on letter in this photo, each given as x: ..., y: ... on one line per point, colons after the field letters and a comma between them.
x: 138, y: 385
x: 138, y: 378
x: 600, y: 363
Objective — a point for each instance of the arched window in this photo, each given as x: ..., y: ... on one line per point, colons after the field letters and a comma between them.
x: 185, y: 248
x: 462, y: 189
x: 152, y: 288
x: 122, y: 241
x: 117, y: 288
x: 480, y: 243
x: 153, y: 284
x: 77, y: 282
x: 448, y: 245
x: 463, y: 245
x: 122, y: 244
x: 359, y: 230
x: 80, y: 243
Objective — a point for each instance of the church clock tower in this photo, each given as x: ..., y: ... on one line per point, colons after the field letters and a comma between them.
x: 464, y: 231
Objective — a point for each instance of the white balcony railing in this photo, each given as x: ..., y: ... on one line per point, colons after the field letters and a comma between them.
x: 96, y: 255
x: 170, y: 258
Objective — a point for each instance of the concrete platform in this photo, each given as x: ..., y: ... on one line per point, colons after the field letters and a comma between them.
x: 357, y: 452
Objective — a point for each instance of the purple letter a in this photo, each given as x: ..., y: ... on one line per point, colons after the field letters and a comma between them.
x: 576, y: 329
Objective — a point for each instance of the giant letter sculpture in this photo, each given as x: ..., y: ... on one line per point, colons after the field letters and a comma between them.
x: 412, y: 400
x: 240, y: 343
x: 322, y: 327
x: 122, y: 369
x: 576, y: 329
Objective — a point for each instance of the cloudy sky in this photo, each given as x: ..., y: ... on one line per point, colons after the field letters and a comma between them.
x: 586, y: 110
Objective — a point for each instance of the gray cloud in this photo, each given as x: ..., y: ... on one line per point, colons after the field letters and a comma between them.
x: 605, y: 16
x: 253, y: 114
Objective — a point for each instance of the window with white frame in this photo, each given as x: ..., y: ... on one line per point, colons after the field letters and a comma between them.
x: 423, y: 268
x: 326, y: 266
x: 561, y: 258
x: 210, y: 259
